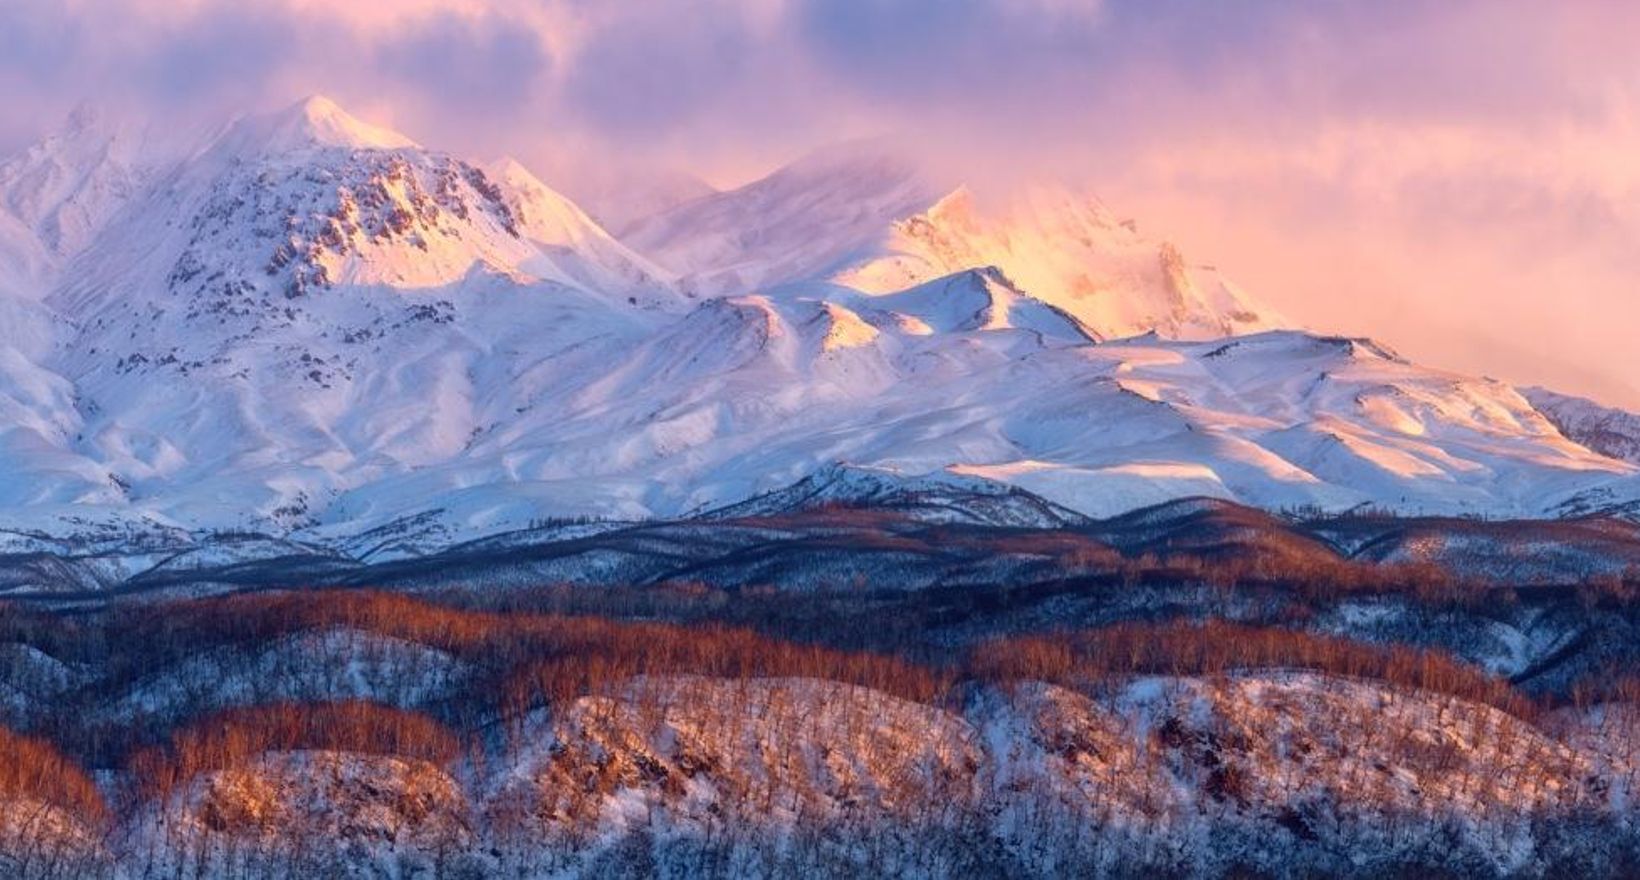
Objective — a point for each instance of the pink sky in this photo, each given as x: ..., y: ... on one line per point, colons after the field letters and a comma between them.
x: 1459, y: 178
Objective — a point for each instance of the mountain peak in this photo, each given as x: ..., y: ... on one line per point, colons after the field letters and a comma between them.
x: 956, y: 206
x: 63, y: 187
x: 863, y: 158
x: 515, y: 175
x: 510, y: 169
x: 86, y: 116
x: 317, y: 121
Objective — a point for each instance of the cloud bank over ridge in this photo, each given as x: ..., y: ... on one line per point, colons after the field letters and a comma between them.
x: 1455, y: 177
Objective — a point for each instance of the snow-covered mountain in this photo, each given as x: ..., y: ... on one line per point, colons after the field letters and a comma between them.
x: 315, y: 325
x: 311, y: 302
x: 65, y: 187
x: 803, y: 222
x: 560, y: 229
x: 56, y: 195
x: 942, y: 497
x: 877, y: 223
x: 1605, y: 429
x: 1071, y: 251
x: 25, y: 264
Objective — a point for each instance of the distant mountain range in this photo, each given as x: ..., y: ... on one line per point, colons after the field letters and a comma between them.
x: 317, y: 329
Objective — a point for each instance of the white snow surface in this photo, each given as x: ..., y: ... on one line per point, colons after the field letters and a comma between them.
x: 1606, y: 429
x: 63, y: 189
x: 868, y: 219
x: 315, y: 327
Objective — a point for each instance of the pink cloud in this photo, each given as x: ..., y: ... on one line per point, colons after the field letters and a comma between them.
x: 1442, y: 174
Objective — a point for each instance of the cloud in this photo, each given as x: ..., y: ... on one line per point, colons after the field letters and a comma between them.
x: 643, y: 75
x: 922, y: 50
x: 1442, y: 173
x: 491, y: 62
x: 216, y: 54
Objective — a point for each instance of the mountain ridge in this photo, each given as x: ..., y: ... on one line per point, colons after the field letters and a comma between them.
x: 317, y: 327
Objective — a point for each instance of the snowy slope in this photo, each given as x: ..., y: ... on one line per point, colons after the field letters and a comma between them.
x: 1072, y: 252
x: 65, y: 187
x: 940, y: 497
x: 749, y: 395
x: 870, y: 220
x: 802, y: 222
x: 562, y: 231
x: 26, y: 267
x: 321, y: 302
x: 313, y: 324
x: 57, y: 194
x: 1605, y: 429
